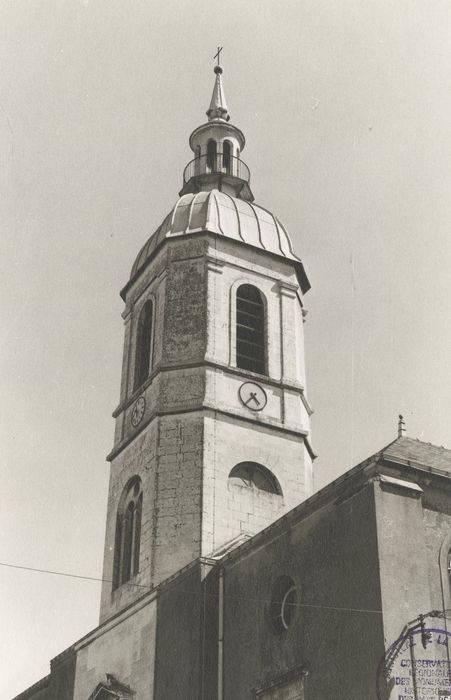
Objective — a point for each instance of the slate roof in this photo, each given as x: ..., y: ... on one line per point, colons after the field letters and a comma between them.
x: 415, y: 452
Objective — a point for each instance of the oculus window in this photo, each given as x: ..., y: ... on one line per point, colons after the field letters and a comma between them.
x: 284, y: 604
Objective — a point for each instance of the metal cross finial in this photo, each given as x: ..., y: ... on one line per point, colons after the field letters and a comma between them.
x: 217, y: 54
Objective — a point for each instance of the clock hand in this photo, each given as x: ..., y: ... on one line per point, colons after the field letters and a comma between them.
x: 254, y: 397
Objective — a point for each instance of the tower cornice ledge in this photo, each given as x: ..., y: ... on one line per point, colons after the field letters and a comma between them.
x: 210, y: 362
x: 263, y: 423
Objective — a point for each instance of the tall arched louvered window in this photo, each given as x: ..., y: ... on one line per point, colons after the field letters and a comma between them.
x: 211, y: 155
x: 143, y: 344
x: 128, y: 533
x: 250, y: 329
x: 227, y: 156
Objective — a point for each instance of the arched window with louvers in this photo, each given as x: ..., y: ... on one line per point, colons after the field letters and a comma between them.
x: 250, y: 329
x: 128, y: 533
x: 143, y: 351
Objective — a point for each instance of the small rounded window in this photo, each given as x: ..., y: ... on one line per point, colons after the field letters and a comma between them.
x: 284, y: 604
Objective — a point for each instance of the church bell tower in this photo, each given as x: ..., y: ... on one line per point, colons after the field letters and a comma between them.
x: 212, y: 428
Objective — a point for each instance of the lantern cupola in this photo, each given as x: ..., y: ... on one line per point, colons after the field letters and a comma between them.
x: 217, y: 146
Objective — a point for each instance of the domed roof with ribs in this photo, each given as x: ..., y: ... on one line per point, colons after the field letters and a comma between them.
x: 221, y: 214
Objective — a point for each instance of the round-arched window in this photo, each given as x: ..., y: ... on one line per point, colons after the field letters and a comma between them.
x: 197, y: 160
x: 284, y: 604
x: 254, y: 476
x: 143, y: 352
x: 211, y: 156
x: 128, y: 533
x: 250, y: 329
x: 227, y: 156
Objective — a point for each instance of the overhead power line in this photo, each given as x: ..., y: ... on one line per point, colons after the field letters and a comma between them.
x: 149, y: 588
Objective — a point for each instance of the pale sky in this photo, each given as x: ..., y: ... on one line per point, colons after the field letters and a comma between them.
x: 346, y: 108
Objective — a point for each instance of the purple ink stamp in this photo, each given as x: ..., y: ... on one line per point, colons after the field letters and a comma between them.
x: 417, y: 665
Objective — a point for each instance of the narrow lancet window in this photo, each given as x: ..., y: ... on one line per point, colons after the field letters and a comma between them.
x: 211, y: 156
x: 137, y: 533
x: 250, y: 329
x: 197, y: 161
x: 227, y: 156
x: 143, y: 344
x: 128, y: 534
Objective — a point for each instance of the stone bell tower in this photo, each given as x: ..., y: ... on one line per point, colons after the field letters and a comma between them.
x: 212, y: 428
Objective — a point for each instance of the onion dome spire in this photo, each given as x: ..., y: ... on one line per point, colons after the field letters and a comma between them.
x: 218, y: 107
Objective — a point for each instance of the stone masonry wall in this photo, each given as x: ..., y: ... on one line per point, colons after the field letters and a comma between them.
x: 167, y: 456
x: 184, y: 338
x: 437, y: 528
x: 402, y: 556
x: 184, y: 448
x: 335, y: 636
x: 178, y: 494
x: 139, y: 458
x: 126, y: 650
x: 227, y: 513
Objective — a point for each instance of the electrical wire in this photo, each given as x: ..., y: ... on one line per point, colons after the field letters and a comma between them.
x: 149, y: 588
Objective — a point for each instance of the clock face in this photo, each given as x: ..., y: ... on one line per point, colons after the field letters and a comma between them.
x: 138, y: 411
x: 252, y: 396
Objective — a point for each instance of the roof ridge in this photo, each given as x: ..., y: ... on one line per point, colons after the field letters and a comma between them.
x: 214, y: 196
x: 258, y: 225
x: 235, y: 208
